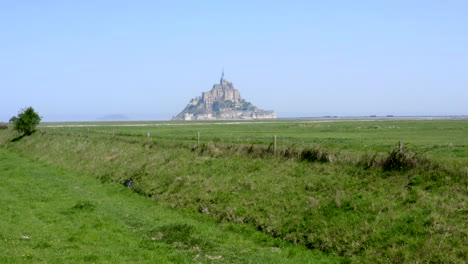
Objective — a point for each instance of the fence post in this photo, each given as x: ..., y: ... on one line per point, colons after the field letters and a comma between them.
x: 274, y: 145
x: 148, y: 134
x: 198, y: 139
x: 400, y: 145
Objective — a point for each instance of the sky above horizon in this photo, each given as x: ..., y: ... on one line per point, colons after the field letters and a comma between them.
x: 144, y: 60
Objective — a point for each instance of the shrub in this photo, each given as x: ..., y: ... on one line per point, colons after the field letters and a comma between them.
x: 27, y: 121
x: 3, y: 126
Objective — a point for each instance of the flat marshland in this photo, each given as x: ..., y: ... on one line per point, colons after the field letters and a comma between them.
x: 360, y: 191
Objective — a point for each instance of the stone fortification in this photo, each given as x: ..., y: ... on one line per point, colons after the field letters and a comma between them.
x: 223, y: 102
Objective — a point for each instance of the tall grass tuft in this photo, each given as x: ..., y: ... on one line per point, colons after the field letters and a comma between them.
x: 369, y: 160
x: 315, y: 154
x: 400, y: 158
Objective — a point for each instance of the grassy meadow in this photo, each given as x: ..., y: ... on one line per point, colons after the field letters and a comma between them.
x: 54, y: 215
x: 346, y: 188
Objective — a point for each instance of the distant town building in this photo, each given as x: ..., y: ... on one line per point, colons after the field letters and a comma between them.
x: 223, y: 102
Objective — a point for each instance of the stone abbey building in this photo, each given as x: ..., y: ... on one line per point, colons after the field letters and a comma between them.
x: 223, y: 102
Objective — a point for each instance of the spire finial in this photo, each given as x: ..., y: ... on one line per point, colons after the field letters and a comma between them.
x: 222, y: 76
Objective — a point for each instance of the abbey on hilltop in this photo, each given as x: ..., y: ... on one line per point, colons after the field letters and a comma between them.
x: 223, y: 102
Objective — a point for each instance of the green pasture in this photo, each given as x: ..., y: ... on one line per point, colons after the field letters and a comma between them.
x: 440, y: 138
x: 52, y: 215
x: 327, y: 187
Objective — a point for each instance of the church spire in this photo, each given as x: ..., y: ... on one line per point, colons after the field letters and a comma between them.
x: 222, y: 77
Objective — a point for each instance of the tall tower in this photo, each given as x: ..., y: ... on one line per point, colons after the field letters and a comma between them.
x: 222, y: 77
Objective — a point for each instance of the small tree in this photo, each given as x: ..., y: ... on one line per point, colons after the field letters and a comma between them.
x: 27, y: 121
x: 13, y: 119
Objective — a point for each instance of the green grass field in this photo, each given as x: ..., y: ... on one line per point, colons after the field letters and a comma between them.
x: 439, y: 138
x: 52, y: 215
x: 330, y: 186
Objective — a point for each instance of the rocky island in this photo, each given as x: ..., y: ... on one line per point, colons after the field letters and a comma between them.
x: 223, y: 102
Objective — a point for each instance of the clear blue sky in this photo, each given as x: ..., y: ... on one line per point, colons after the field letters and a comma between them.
x: 82, y: 60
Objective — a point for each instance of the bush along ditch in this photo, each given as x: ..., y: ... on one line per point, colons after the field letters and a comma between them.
x: 400, y: 158
x: 309, y: 154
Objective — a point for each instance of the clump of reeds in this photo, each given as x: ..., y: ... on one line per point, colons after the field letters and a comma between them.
x: 315, y: 154
x: 398, y: 159
x: 401, y: 158
x: 369, y: 160
x: 210, y: 148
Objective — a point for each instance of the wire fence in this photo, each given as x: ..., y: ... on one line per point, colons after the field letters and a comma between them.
x: 143, y: 136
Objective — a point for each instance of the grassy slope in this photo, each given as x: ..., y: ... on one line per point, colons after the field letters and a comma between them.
x: 52, y: 215
x: 364, y: 215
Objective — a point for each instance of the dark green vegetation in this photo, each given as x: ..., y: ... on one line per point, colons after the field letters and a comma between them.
x: 346, y: 188
x: 26, y: 121
x: 52, y: 215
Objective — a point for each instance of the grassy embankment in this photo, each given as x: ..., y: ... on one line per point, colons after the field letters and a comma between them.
x: 52, y: 215
x: 329, y: 186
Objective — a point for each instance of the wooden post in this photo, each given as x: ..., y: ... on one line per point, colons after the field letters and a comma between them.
x: 198, y: 139
x: 274, y: 145
x: 400, y: 145
x: 148, y: 134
